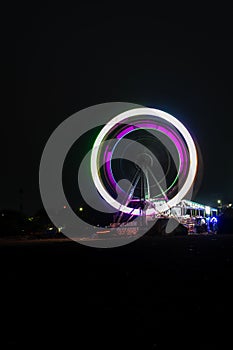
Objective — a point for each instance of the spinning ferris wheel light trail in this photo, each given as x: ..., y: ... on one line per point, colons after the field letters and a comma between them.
x: 125, y: 124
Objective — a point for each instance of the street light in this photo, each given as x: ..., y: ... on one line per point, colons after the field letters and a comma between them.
x: 219, y: 206
x: 80, y: 209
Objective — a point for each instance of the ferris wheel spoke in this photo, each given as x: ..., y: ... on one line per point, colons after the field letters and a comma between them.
x: 158, y: 184
x: 131, y: 216
x: 130, y: 193
x: 132, y: 186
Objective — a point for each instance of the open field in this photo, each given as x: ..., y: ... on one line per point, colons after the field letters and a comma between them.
x: 153, y: 292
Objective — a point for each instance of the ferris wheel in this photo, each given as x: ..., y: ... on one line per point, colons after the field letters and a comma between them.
x: 143, y: 162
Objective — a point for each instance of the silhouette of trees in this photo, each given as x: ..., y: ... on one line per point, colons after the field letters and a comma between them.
x: 12, y: 222
x: 225, y: 222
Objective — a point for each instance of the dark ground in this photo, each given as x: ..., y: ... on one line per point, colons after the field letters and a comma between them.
x: 155, y: 293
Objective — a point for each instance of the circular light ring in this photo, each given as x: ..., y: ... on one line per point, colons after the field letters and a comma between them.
x: 138, y: 112
x: 112, y: 181
x: 146, y: 125
x: 108, y: 154
x: 110, y: 173
x: 108, y: 158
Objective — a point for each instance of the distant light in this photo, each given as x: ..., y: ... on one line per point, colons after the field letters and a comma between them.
x: 64, y: 206
x: 207, y: 210
x: 219, y: 201
x: 104, y: 231
x: 230, y: 205
x: 81, y: 209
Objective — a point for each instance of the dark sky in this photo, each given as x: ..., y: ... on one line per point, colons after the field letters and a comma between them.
x: 69, y: 59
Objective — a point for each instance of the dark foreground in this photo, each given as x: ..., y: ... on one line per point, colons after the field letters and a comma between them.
x: 155, y: 293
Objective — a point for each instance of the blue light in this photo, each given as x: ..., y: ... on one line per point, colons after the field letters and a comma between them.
x: 214, y: 219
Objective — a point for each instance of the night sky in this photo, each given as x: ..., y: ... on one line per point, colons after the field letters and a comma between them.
x: 69, y: 59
